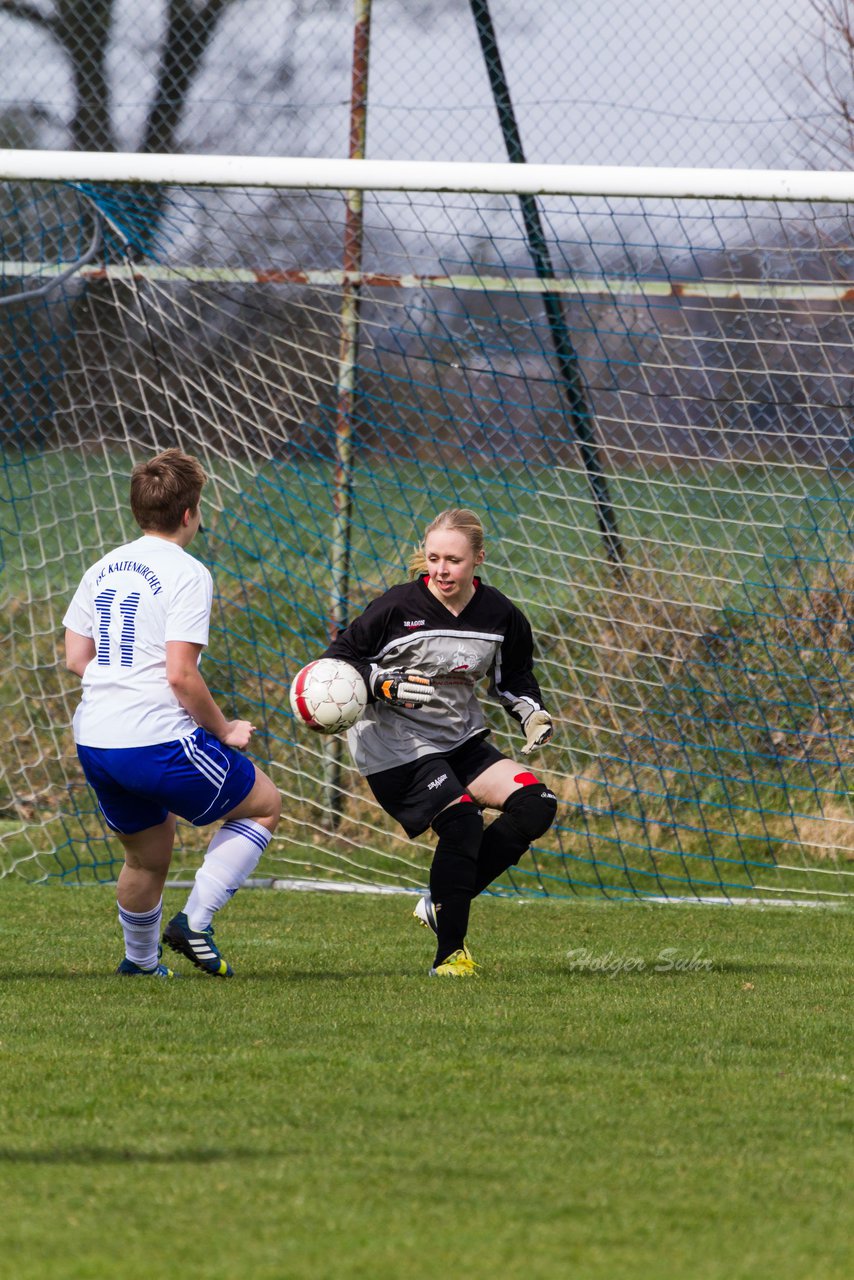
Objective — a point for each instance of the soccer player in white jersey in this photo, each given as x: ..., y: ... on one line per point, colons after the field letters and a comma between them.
x: 151, y: 739
x: 423, y: 745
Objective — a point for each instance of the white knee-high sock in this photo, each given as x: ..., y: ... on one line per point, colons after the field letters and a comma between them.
x: 231, y: 858
x: 142, y: 932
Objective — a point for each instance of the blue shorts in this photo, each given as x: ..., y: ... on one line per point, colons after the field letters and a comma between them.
x: 198, y: 777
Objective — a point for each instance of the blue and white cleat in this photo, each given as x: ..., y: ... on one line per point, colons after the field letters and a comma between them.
x: 129, y: 969
x: 198, y: 946
x: 425, y: 913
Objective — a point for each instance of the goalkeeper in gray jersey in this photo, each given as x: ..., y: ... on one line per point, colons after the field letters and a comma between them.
x: 423, y: 744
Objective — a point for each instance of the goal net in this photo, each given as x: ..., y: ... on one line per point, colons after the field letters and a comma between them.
x: 641, y: 380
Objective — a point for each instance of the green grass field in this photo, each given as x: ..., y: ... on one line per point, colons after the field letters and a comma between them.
x: 589, y: 1107
x: 678, y: 765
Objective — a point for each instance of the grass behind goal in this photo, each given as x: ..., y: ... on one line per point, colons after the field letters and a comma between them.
x: 649, y: 408
x: 633, y: 1093
x: 271, y: 570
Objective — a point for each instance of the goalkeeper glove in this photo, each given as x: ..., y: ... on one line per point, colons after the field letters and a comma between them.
x: 538, y: 729
x: 407, y: 689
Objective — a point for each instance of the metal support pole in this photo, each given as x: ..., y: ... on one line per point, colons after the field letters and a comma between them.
x: 348, y: 351
x: 580, y: 413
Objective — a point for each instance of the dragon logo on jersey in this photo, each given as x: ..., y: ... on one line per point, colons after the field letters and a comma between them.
x: 463, y: 660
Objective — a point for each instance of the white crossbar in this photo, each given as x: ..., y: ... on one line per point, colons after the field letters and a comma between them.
x: 426, y: 175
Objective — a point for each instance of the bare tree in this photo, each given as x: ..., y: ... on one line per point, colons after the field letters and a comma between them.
x: 82, y: 29
x: 830, y: 79
x: 190, y: 29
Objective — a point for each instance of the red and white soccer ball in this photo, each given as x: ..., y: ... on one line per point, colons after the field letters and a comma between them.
x: 328, y: 695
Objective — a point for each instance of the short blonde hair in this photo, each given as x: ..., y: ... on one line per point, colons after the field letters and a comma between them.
x: 459, y: 520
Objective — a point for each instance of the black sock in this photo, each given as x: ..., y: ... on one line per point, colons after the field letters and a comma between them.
x: 528, y: 814
x: 452, y: 875
x: 501, y: 847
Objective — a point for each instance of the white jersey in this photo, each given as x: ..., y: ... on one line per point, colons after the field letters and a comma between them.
x: 130, y: 603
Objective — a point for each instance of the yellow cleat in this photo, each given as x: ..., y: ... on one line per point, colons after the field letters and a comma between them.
x: 458, y: 964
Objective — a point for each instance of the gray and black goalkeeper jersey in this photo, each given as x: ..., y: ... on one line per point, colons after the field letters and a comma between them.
x: 407, y: 628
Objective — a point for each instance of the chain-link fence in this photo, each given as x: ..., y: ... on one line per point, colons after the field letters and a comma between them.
x: 664, y: 82
x: 662, y: 438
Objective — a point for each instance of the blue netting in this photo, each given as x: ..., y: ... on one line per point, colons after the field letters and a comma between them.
x: 701, y: 686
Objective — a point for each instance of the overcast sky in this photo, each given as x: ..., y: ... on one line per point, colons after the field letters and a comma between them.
x: 685, y: 82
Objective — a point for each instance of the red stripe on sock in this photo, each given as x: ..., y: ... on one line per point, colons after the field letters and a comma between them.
x: 526, y: 779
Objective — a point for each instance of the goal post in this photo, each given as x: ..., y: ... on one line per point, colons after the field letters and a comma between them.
x: 700, y: 680
x: 299, y: 173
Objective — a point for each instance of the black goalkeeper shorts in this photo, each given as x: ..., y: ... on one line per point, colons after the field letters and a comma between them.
x: 414, y: 793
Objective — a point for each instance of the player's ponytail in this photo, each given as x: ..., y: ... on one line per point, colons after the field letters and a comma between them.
x: 417, y: 562
x: 460, y: 520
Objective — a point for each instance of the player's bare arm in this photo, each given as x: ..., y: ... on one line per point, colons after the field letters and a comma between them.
x: 79, y: 651
x: 188, y: 685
